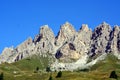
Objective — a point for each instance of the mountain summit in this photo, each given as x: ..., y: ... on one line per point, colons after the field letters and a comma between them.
x: 70, y: 49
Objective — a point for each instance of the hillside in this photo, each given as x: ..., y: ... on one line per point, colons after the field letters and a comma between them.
x: 25, y: 70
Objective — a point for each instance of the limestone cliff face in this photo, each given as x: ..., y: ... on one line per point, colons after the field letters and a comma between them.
x: 45, y: 40
x: 69, y: 45
x: 24, y: 50
x: 65, y: 34
x: 82, y: 40
x: 115, y: 41
x: 6, y: 53
x: 21, y: 51
x: 74, y: 44
x: 100, y: 39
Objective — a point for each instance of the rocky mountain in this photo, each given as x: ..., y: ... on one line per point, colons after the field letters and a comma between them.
x: 71, y: 49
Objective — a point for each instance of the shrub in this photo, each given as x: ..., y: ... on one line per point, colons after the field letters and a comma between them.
x: 113, y: 75
x: 84, y: 70
x: 50, y: 78
x: 37, y: 68
x: 1, y: 76
x: 35, y: 72
x: 59, y: 74
x: 48, y: 69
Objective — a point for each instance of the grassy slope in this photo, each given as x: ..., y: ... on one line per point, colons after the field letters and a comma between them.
x: 25, y: 70
x: 30, y: 64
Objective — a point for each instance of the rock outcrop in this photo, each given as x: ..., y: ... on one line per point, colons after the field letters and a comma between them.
x: 100, y: 39
x: 82, y: 41
x: 74, y: 44
x: 45, y: 40
x: 24, y: 50
x: 21, y: 51
x: 66, y: 34
x: 115, y: 41
x: 6, y: 53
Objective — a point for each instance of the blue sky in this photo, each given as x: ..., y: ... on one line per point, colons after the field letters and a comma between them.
x: 20, y: 19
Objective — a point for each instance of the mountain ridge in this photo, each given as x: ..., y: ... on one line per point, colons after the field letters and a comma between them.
x: 69, y: 47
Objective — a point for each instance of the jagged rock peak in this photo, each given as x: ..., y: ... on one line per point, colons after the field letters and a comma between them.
x: 68, y: 26
x: 116, y: 27
x: 115, y: 41
x: 84, y: 27
x: 66, y: 32
x: 6, y: 53
x: 100, y: 39
x: 104, y: 26
x: 7, y: 49
x: 45, y: 32
x: 105, y: 23
x: 24, y: 45
x: 44, y: 27
x: 44, y: 41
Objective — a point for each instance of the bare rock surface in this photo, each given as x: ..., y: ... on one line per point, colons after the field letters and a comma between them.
x: 100, y: 39
x: 45, y: 40
x: 65, y: 34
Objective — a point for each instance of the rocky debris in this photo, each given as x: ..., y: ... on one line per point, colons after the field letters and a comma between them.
x: 79, y: 64
x: 63, y: 66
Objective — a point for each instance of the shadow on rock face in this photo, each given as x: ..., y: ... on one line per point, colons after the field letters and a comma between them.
x: 58, y: 54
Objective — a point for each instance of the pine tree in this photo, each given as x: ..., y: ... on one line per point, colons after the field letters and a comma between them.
x: 1, y: 76
x: 37, y: 68
x: 113, y: 75
x: 48, y: 69
x: 59, y: 74
x: 50, y: 78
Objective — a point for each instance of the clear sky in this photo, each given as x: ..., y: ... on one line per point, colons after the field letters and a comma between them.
x: 20, y: 19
